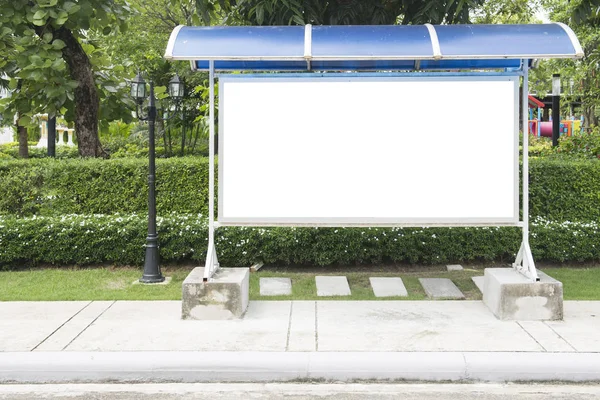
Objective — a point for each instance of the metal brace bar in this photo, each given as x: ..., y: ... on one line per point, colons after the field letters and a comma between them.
x: 524, y: 262
x: 212, y: 264
x: 308, y: 45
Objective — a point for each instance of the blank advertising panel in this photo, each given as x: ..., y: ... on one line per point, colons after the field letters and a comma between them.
x: 368, y: 150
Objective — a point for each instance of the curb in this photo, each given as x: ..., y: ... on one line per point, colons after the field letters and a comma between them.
x: 213, y: 367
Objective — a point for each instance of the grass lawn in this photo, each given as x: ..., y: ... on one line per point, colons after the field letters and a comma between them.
x: 87, y: 284
x: 117, y: 283
x: 578, y: 283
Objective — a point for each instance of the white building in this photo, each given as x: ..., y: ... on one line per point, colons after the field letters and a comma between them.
x: 6, y: 132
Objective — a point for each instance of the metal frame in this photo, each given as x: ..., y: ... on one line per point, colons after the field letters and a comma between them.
x: 435, y: 45
x: 524, y: 262
x: 578, y: 49
x: 308, y: 45
x: 354, y: 221
x: 171, y: 42
x: 388, y: 57
x: 212, y: 262
x: 435, y: 42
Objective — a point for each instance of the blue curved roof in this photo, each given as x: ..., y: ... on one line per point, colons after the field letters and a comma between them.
x: 369, y: 48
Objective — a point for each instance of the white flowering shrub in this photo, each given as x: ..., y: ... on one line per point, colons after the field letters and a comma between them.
x: 120, y: 239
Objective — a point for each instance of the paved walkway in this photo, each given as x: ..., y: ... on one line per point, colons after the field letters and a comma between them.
x: 446, y: 335
x: 292, y: 326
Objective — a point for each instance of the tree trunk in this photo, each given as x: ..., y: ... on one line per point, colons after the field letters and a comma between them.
x: 23, y: 145
x: 589, y: 117
x: 87, y: 101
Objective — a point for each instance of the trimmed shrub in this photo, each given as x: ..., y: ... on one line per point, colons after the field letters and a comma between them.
x: 118, y: 239
x: 565, y: 190
x: 560, y: 189
x: 95, y: 186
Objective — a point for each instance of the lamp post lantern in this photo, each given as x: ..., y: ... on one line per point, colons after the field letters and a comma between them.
x: 152, y: 272
x: 176, y: 88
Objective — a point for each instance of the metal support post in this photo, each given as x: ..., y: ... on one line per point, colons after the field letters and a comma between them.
x: 524, y: 262
x: 539, y: 123
x: 52, y: 136
x: 152, y: 272
x: 555, y: 109
x: 212, y: 263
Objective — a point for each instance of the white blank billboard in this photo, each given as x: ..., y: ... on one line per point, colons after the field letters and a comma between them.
x: 377, y: 151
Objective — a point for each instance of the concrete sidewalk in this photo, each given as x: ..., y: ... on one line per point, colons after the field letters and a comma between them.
x: 283, y: 340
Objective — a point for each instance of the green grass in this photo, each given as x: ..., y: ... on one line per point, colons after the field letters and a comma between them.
x: 86, y: 284
x: 117, y: 284
x: 578, y: 283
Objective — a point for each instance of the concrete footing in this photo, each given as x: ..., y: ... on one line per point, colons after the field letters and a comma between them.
x: 512, y: 296
x: 225, y: 296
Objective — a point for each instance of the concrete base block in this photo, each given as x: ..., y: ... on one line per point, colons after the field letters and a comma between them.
x: 512, y: 296
x: 224, y: 297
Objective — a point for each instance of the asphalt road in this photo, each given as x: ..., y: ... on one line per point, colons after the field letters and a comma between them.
x: 299, y: 391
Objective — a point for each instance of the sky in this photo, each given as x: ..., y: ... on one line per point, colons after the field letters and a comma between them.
x: 542, y: 15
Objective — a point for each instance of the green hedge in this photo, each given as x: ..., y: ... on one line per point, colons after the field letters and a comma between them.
x: 96, y: 186
x: 560, y: 189
x: 565, y: 189
x: 96, y: 239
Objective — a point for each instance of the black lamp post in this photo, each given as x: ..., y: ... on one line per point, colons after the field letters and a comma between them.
x: 152, y: 272
x: 555, y: 109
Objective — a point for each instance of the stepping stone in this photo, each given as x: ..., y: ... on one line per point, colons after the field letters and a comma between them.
x: 332, y: 286
x: 441, y: 288
x: 256, y: 267
x: 388, y: 287
x: 455, y: 267
x: 275, y: 286
x: 478, y: 281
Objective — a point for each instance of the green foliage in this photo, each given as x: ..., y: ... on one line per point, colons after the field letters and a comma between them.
x: 117, y: 129
x: 584, y: 146
x: 587, y: 11
x: 21, y: 188
x: 539, y: 146
x: 55, y: 187
x: 35, y: 53
x: 138, y: 148
x: 565, y: 190
x: 560, y: 189
x: 506, y: 12
x: 49, y: 54
x: 347, y: 12
x: 576, y: 147
x: 11, y: 150
x: 119, y: 239
x: 580, y: 78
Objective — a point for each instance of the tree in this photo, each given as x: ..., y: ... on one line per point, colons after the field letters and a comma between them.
x: 580, y: 78
x: 343, y: 12
x: 587, y: 11
x: 506, y: 12
x: 47, y: 45
x: 142, y: 49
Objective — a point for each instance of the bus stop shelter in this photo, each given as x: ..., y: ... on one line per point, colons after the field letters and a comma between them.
x: 379, y: 168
